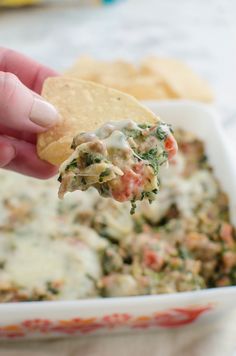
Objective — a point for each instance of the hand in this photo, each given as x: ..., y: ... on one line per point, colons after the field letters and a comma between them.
x: 23, y: 114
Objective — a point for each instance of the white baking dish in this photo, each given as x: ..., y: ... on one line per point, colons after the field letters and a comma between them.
x: 49, y: 319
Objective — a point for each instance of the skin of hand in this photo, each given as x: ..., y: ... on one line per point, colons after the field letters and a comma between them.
x: 23, y: 114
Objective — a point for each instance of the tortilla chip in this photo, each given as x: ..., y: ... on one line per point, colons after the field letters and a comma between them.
x: 143, y: 87
x: 84, y: 68
x: 83, y: 106
x: 180, y: 79
x: 87, y: 68
x: 122, y: 76
x: 155, y: 79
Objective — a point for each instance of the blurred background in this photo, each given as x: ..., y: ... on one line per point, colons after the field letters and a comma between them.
x: 201, y: 33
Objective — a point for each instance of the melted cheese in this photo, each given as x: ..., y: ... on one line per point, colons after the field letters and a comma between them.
x: 105, y: 130
x: 186, y: 193
x: 53, y: 245
x: 41, y: 250
x: 117, y: 140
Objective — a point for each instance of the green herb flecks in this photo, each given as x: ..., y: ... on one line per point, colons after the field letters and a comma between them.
x: 170, y: 128
x: 144, y: 126
x: 155, y: 160
x: 73, y: 164
x: 52, y: 289
x: 105, y: 173
x: 133, y: 206
x: 161, y: 133
x: 91, y: 158
x: 138, y: 225
x: 133, y: 133
x: 103, y: 190
x: 144, y: 195
x: 163, y: 130
x: 149, y: 195
x: 183, y: 253
x: 162, y: 158
x: 152, y: 157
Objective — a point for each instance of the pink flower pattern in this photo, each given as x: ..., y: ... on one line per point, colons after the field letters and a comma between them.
x: 171, y: 318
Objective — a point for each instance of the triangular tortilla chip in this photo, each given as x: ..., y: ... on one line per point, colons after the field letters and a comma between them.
x: 180, y: 79
x: 84, y: 106
x: 87, y: 68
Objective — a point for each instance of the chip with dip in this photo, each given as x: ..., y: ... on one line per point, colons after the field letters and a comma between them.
x: 106, y: 139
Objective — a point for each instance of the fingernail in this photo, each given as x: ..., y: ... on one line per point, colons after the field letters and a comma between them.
x: 43, y: 113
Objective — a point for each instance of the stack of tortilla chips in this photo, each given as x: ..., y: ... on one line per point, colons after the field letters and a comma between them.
x: 153, y: 79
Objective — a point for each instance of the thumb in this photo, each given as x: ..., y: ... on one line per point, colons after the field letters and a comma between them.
x: 21, y: 109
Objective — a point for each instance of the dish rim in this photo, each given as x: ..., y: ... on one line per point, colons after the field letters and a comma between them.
x: 95, y: 303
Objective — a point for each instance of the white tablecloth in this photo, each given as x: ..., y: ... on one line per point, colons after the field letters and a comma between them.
x: 200, y: 32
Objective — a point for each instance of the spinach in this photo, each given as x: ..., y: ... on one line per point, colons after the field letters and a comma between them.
x: 161, y: 134
x: 144, y: 195
x: 149, y: 195
x: 152, y: 158
x: 103, y: 190
x: 138, y: 225
x: 105, y: 173
x: 72, y: 164
x: 133, y: 206
x: 51, y: 288
x: 183, y: 253
x: 133, y: 133
x: 164, y: 156
x: 144, y: 126
x: 170, y: 128
x: 111, y: 260
x: 91, y: 158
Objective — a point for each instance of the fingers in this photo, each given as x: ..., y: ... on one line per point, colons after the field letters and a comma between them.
x: 7, y: 154
x: 20, y: 156
x: 23, y: 114
x: 29, y: 72
x: 20, y: 109
x: 21, y: 135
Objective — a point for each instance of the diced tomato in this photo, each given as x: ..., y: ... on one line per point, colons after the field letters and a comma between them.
x: 153, y: 260
x: 226, y: 233
x: 129, y: 186
x: 171, y: 146
x: 138, y: 167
